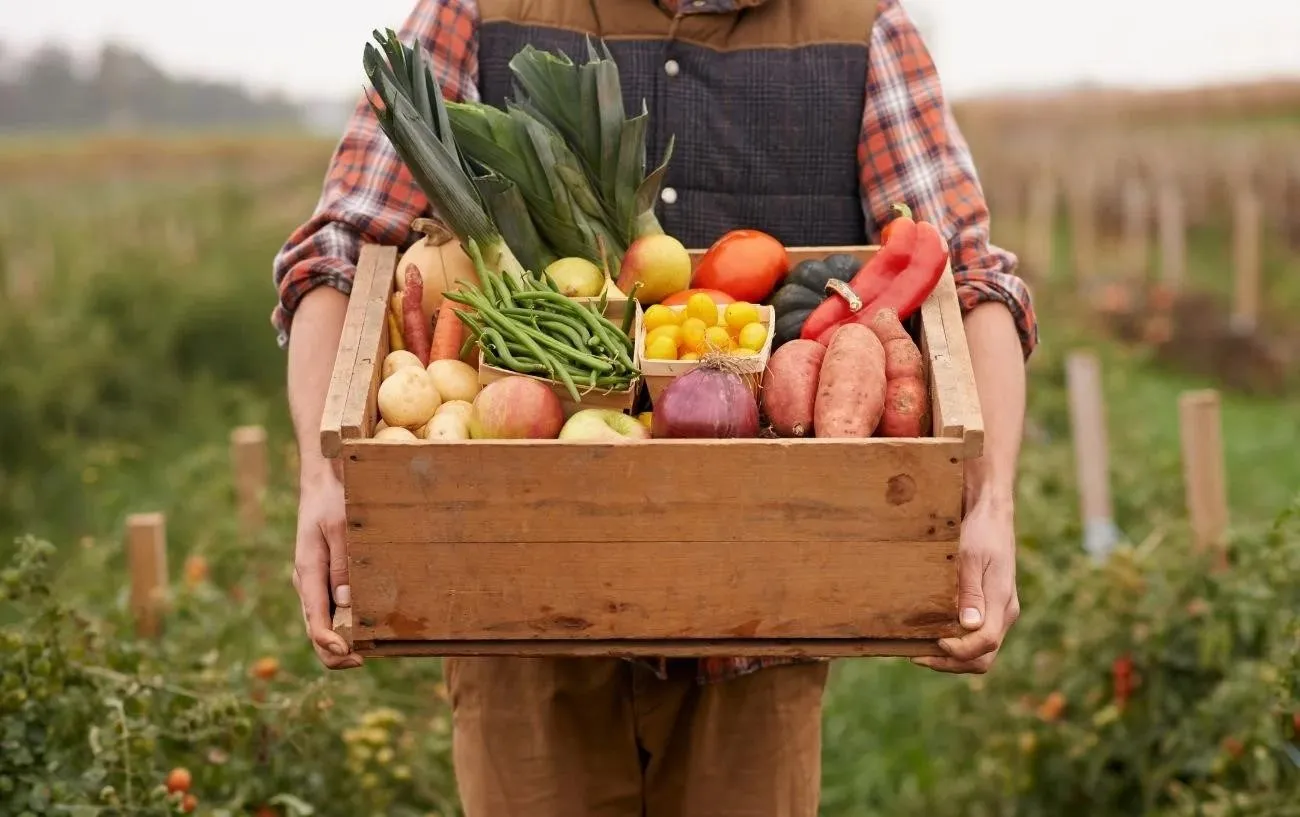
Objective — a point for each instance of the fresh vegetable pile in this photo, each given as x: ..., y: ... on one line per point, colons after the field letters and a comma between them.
x: 518, y: 314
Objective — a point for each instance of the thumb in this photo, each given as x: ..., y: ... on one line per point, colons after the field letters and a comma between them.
x: 340, y: 590
x: 970, y: 590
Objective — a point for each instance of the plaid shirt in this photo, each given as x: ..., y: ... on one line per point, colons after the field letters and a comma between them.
x: 910, y: 150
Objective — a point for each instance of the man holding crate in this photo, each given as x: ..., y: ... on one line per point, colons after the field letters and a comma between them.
x: 802, y: 118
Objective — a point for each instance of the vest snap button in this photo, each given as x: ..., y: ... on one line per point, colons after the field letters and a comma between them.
x: 669, y: 195
x: 671, y: 68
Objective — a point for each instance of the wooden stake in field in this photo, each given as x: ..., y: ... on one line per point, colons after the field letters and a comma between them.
x: 1136, y: 251
x: 1171, y: 217
x: 1203, y: 470
x: 248, y: 459
x: 1247, y: 259
x: 1083, y: 226
x: 1040, y: 225
x: 146, y: 541
x: 1091, y: 455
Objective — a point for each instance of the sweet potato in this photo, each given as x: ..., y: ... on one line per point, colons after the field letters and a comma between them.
x: 851, y: 384
x: 790, y: 387
x: 907, y: 398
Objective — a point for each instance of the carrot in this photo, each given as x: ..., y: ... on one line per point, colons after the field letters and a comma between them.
x: 415, y: 329
x: 448, y: 333
x: 907, y: 399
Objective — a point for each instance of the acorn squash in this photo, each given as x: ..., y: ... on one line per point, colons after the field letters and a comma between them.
x: 804, y: 288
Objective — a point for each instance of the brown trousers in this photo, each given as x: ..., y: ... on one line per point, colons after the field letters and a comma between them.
x: 596, y: 737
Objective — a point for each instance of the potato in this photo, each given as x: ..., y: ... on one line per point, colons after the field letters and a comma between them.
x: 790, y: 387
x: 462, y: 408
x: 450, y: 426
x: 395, y: 434
x: 455, y: 380
x: 408, y: 398
x: 396, y: 360
x: 851, y: 384
x: 380, y: 426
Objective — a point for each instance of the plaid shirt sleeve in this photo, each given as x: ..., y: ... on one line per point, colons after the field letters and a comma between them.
x: 912, y: 151
x: 368, y: 194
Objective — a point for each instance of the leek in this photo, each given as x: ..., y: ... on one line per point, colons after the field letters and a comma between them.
x: 584, y: 104
x: 415, y: 120
x: 516, y: 146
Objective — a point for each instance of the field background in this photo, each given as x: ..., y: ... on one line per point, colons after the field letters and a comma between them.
x: 134, y: 335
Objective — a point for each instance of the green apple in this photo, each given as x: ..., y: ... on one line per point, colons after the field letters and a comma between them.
x: 600, y: 425
x: 577, y: 277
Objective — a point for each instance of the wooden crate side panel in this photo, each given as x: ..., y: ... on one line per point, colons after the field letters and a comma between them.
x: 954, y: 402
x: 667, y: 590
x: 345, y: 361
x: 965, y: 409
x: 674, y: 490
x: 658, y: 648
x: 372, y: 347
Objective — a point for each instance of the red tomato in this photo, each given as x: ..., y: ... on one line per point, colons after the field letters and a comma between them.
x: 680, y: 298
x: 178, y: 779
x: 745, y: 264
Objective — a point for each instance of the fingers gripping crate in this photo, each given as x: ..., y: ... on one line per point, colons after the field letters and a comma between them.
x: 547, y: 547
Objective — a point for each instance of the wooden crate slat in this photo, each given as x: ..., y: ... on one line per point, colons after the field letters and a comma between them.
x: 665, y: 589
x: 345, y: 361
x: 961, y: 409
x: 656, y: 648
x: 372, y: 346
x: 694, y: 489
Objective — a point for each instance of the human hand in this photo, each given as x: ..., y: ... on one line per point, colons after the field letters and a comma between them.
x: 320, y: 565
x: 987, y: 596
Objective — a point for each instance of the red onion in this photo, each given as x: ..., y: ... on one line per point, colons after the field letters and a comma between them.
x: 710, y: 401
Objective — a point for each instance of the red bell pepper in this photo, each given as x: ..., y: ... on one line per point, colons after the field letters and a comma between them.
x: 868, y: 284
x: 906, y: 291
x: 900, y: 211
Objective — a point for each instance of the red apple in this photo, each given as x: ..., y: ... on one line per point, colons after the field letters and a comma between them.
x: 516, y: 408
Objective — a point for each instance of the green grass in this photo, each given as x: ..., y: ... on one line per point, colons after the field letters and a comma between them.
x: 147, y: 340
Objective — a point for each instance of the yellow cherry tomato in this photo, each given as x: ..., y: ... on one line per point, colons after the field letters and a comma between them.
x: 752, y: 336
x: 743, y: 352
x: 716, y: 339
x: 661, y: 348
x: 740, y: 314
x: 673, y: 332
x: 645, y: 418
x: 689, y: 356
x: 701, y: 306
x: 660, y: 315
x: 693, y: 330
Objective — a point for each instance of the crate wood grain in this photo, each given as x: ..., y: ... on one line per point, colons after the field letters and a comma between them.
x: 549, y: 547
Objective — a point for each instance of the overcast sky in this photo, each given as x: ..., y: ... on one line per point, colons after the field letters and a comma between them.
x: 313, y: 47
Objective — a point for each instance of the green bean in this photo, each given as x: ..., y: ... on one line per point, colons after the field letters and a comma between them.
x: 576, y: 338
x: 509, y: 326
x: 512, y: 363
x: 465, y: 347
x: 629, y: 309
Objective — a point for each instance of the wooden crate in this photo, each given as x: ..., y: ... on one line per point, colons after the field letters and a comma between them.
x: 548, y: 547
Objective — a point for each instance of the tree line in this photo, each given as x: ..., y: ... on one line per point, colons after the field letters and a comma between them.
x: 48, y: 89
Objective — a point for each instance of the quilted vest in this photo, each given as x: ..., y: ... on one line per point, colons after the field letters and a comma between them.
x: 764, y: 98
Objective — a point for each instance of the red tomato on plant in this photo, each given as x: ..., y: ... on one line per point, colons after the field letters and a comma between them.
x: 680, y: 298
x: 745, y: 264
